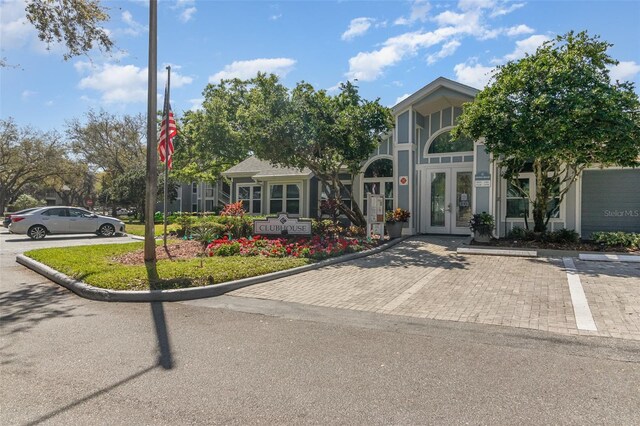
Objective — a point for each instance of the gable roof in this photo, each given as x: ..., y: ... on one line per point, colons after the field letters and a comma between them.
x: 432, y: 87
x: 260, y: 169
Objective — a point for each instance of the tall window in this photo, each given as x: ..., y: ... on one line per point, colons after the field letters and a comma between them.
x: 251, y: 197
x: 326, y: 193
x: 284, y: 198
x: 518, y: 198
x: 378, y: 179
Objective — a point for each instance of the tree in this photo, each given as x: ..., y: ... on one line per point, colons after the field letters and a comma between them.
x: 27, y: 157
x: 26, y: 201
x: 76, y: 23
x: 295, y: 128
x: 211, y: 139
x: 558, y: 112
x: 129, y: 190
x: 110, y: 144
x: 74, y: 183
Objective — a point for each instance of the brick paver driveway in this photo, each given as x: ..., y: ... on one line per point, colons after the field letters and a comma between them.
x: 424, y: 277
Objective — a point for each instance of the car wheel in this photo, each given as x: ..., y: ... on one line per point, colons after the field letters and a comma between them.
x: 37, y: 232
x: 107, y: 230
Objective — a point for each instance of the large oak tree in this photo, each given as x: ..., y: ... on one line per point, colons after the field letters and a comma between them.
x: 558, y: 112
x: 299, y: 127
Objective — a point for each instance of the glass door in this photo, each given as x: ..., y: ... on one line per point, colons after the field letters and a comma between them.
x: 438, y: 201
x: 449, y: 201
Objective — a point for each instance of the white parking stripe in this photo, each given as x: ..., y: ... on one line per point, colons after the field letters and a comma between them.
x: 405, y: 295
x: 584, y: 319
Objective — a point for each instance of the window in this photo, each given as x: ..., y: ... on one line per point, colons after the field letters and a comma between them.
x: 378, y: 179
x: 194, y: 188
x: 208, y: 191
x: 251, y: 197
x: 442, y: 144
x: 284, y: 198
x: 326, y: 193
x: 55, y: 212
x: 208, y: 205
x: 553, y: 207
x: 79, y: 213
x: 518, y: 198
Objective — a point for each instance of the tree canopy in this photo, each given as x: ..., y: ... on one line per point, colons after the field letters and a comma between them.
x: 27, y: 157
x: 557, y: 111
x: 75, y: 23
x: 299, y: 127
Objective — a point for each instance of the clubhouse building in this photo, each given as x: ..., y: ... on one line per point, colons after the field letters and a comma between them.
x: 442, y: 181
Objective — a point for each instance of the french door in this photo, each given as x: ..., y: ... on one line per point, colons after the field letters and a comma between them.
x: 446, y: 203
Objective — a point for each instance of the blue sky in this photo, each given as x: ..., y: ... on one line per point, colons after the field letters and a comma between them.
x: 393, y: 48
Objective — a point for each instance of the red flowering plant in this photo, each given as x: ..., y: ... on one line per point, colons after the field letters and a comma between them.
x: 233, y: 209
x: 315, y: 248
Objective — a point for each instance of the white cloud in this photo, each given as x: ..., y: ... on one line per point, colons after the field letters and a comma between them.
x: 473, y: 74
x: 134, y: 28
x: 26, y: 94
x: 48, y: 103
x: 526, y: 46
x: 447, y: 49
x: 357, y: 27
x: 15, y: 29
x: 450, y: 18
x: 123, y: 83
x: 505, y: 9
x: 335, y: 87
x: 419, y: 12
x: 275, y: 17
x: 519, y: 30
x: 402, y: 98
x: 624, y: 71
x: 249, y: 69
x: 187, y: 14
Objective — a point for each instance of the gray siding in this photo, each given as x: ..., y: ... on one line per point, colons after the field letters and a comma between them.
x: 610, y: 201
x: 403, y: 127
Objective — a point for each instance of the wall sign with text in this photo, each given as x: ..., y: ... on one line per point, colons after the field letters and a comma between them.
x: 282, y: 225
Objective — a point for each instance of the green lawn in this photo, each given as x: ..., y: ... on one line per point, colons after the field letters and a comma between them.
x: 138, y: 229
x: 95, y: 266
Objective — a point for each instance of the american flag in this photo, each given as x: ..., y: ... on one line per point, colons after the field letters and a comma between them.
x: 162, y: 141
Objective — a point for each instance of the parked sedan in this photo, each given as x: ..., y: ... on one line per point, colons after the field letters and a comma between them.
x: 7, y: 218
x: 64, y: 220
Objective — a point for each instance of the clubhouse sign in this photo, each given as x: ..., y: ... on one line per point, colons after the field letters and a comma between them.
x: 282, y: 225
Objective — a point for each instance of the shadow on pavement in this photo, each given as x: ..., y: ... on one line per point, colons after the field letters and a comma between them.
x: 24, y: 308
x: 608, y: 269
x: 91, y: 396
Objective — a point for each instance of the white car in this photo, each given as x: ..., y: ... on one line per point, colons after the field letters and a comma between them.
x: 64, y: 220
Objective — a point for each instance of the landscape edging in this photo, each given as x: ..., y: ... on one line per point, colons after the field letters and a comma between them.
x: 173, y: 295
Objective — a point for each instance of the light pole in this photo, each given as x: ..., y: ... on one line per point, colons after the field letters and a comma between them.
x: 152, y: 146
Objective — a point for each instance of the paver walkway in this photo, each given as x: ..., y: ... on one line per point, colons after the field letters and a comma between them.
x: 424, y: 277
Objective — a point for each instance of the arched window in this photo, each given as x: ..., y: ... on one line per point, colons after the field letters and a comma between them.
x: 379, y: 168
x: 443, y: 144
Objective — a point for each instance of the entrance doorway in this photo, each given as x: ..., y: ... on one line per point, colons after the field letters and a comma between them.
x: 446, y: 204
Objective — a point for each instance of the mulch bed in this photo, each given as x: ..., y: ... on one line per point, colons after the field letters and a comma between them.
x: 181, y: 250
x: 582, y: 246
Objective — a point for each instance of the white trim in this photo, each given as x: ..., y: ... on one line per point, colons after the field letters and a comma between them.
x: 578, y: 184
x: 251, y: 199
x: 410, y: 171
x: 284, y: 184
x: 425, y: 150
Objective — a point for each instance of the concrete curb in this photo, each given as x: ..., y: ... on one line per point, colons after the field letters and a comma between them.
x: 135, y: 237
x: 94, y: 293
x: 610, y: 257
x: 497, y: 252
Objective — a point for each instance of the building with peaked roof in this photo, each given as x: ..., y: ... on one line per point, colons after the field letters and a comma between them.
x: 442, y: 181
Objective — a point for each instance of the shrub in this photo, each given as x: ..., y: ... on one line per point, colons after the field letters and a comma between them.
x: 207, y: 232
x: 562, y: 236
x: 617, y: 239
x: 26, y: 201
x: 518, y: 233
x: 158, y: 217
x: 356, y: 231
x: 482, y: 223
x: 329, y: 207
x: 186, y: 223
x: 233, y: 209
x: 229, y: 249
x: 236, y: 226
x: 325, y: 227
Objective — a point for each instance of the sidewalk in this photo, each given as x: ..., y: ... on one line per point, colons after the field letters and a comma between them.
x: 424, y: 278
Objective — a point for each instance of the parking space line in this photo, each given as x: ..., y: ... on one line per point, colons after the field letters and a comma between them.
x: 582, y: 312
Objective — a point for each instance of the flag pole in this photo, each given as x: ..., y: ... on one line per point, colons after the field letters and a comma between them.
x: 167, y: 138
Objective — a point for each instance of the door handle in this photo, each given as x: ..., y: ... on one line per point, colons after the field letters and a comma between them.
x: 448, y: 209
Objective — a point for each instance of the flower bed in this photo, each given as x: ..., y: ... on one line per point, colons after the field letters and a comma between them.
x: 311, y: 248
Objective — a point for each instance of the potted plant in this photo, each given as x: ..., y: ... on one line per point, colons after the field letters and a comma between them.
x: 482, y: 226
x: 395, y: 220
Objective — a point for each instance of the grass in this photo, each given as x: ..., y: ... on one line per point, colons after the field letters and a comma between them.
x: 95, y: 265
x: 138, y: 229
